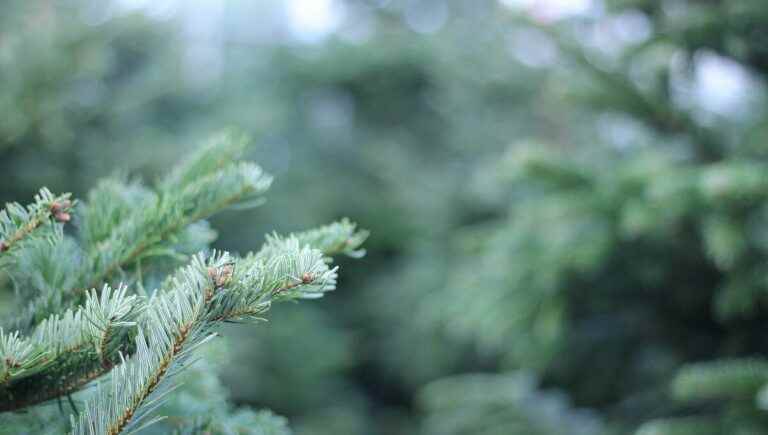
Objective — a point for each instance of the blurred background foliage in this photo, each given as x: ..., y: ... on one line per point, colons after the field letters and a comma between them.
x: 567, y: 199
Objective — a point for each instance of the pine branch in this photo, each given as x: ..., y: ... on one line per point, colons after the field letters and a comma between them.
x: 76, y: 339
x: 125, y: 223
x: 340, y: 237
x: 178, y: 320
x: 107, y: 205
x: 66, y: 351
x: 17, y: 356
x: 220, y: 151
x: 170, y: 212
x: 144, y: 342
x: 18, y: 223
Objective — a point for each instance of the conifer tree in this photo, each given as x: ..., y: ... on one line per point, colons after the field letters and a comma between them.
x: 630, y: 278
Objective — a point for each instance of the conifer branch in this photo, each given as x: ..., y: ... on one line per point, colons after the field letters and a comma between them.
x: 17, y: 356
x: 82, y: 345
x: 143, y: 342
x: 76, y: 346
x: 182, y: 317
x: 17, y: 223
x: 175, y: 211
x: 141, y: 223
x: 340, y: 237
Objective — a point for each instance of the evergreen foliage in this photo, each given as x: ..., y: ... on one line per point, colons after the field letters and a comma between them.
x: 569, y: 237
x: 630, y: 278
x: 132, y: 342
x: 500, y: 404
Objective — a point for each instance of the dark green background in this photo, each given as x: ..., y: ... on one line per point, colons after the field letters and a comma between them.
x: 573, y: 206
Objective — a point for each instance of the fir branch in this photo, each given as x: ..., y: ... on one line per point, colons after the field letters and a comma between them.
x: 18, y: 223
x: 178, y: 320
x: 72, y: 349
x: 340, y: 237
x: 282, y: 269
x: 221, y: 150
x: 130, y: 232
x: 107, y: 205
x: 16, y: 356
x: 66, y: 351
x: 170, y: 212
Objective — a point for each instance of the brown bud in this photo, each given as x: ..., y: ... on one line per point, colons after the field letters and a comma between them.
x: 307, y: 278
x: 3, y: 246
x: 61, y: 206
x: 62, y: 216
x: 221, y: 276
